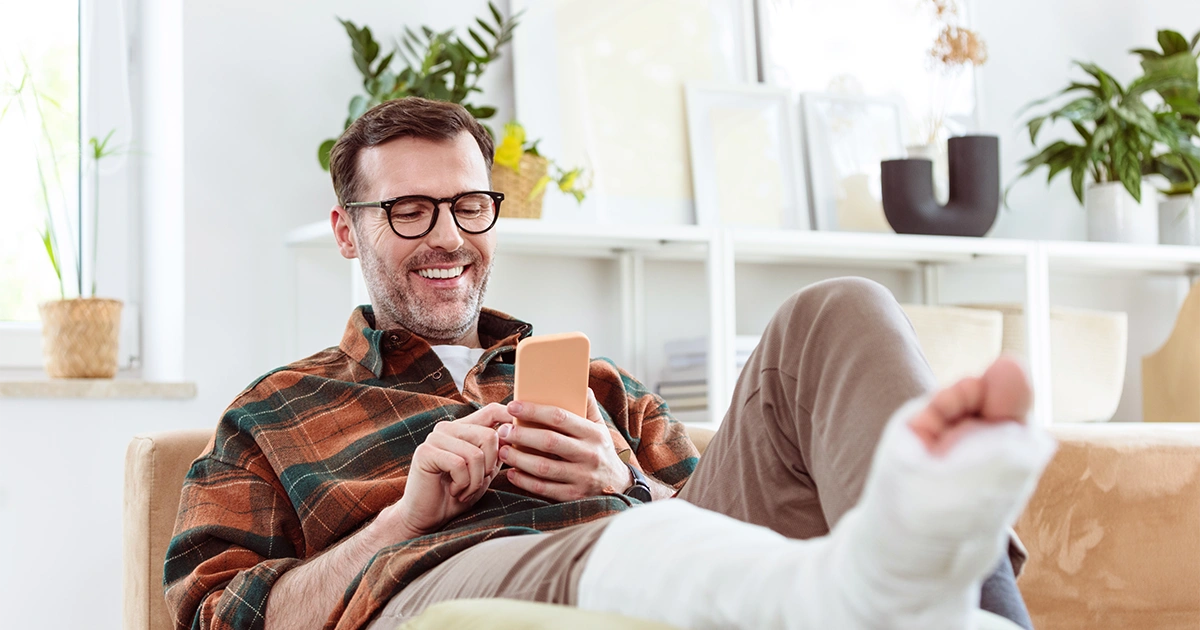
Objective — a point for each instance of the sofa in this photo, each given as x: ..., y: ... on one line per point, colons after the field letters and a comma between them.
x: 1113, y: 532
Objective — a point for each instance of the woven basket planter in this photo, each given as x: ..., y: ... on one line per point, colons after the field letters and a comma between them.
x: 79, y: 337
x: 516, y: 186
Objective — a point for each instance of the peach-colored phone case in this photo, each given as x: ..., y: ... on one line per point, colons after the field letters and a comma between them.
x: 553, y: 370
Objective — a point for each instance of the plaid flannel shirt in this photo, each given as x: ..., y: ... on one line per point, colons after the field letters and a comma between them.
x: 310, y: 452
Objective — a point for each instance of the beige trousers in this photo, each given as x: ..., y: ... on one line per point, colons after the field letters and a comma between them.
x: 792, y: 454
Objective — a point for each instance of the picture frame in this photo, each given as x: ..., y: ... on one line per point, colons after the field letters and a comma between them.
x: 601, y: 86
x: 747, y: 166
x: 845, y: 139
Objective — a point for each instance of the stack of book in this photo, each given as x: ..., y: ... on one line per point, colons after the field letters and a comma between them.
x: 684, y: 382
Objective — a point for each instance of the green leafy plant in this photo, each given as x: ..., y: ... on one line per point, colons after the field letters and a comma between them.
x: 1180, y: 110
x: 514, y: 146
x: 32, y: 104
x: 1117, y: 130
x: 439, y: 65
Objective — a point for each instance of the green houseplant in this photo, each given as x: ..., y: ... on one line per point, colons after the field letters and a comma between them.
x: 438, y: 65
x: 1179, y: 113
x: 79, y: 334
x: 1114, y: 149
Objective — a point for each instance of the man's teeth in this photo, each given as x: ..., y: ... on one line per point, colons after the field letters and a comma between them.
x: 452, y: 272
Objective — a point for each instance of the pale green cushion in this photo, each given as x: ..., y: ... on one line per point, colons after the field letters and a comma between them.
x: 511, y: 614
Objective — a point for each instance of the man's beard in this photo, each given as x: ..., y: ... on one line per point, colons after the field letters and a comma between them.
x: 396, y: 305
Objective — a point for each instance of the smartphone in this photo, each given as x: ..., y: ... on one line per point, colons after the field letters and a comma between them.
x: 553, y: 370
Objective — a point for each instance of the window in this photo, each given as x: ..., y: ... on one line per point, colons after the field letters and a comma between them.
x: 39, y: 130
x: 51, y: 97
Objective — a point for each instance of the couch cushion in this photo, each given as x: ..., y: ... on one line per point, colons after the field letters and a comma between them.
x: 1113, y: 531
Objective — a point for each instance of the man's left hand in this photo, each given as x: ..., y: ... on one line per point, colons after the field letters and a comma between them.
x: 584, y: 463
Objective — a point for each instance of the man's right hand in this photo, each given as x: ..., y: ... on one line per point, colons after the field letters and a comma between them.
x: 449, y: 473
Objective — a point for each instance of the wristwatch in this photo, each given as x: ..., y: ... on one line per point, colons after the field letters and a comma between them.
x: 640, y: 489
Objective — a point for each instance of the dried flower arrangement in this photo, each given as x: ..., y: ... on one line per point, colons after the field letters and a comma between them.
x: 955, y: 48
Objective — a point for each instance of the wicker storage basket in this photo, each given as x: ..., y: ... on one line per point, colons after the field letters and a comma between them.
x: 79, y: 337
x: 1087, y: 354
x: 957, y: 342
x: 516, y: 186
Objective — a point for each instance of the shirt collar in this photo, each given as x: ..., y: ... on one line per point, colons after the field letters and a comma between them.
x: 363, y: 343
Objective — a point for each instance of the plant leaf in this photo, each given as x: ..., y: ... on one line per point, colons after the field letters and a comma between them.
x: 323, y: 153
x: 495, y: 13
x: 1129, y: 172
x: 484, y: 25
x: 1077, y: 173
x: 1147, y: 53
x: 1172, y: 42
x: 1195, y: 40
x: 539, y: 186
x: 1035, y: 126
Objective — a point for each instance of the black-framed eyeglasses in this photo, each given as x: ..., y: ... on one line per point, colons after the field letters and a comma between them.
x: 413, y: 216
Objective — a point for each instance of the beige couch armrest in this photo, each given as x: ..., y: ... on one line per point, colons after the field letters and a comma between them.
x: 155, y: 466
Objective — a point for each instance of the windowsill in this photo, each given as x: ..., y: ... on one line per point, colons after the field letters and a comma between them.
x: 96, y: 389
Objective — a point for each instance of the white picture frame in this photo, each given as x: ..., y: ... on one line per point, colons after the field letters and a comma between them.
x: 601, y: 85
x: 747, y: 166
x: 845, y: 139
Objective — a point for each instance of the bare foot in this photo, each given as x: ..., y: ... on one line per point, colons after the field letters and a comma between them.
x: 1002, y: 394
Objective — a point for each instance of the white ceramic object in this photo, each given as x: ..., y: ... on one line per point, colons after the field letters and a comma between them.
x: 1177, y: 221
x: 957, y: 342
x: 1114, y: 216
x: 1088, y: 350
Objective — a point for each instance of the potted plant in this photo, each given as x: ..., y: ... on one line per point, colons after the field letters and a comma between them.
x: 1117, y: 133
x: 522, y: 174
x: 1179, y: 162
x: 439, y: 65
x: 79, y: 333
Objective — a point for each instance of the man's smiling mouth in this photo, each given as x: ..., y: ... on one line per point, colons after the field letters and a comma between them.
x: 452, y: 272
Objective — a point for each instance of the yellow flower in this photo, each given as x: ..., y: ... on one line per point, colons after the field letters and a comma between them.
x: 511, y: 147
x: 568, y: 181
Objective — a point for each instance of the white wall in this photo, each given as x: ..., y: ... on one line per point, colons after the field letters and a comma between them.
x: 261, y: 84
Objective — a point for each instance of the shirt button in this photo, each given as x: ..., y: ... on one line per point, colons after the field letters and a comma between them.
x: 437, y: 376
x: 394, y: 338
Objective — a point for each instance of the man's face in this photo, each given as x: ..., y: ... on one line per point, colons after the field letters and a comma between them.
x: 442, y: 310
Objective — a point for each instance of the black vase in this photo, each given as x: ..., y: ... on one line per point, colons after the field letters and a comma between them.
x: 909, y: 204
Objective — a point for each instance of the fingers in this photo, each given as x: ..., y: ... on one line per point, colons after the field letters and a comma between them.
x: 490, y: 415
x: 547, y: 441
x: 538, y: 465
x: 432, y: 459
x: 550, y: 416
x: 961, y: 400
x: 550, y: 489
x: 470, y: 460
x: 593, y: 408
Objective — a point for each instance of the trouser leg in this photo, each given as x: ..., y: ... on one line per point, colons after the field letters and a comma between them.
x: 835, y: 362
x: 536, y: 567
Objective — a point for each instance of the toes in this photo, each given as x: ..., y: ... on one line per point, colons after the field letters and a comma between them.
x: 1007, y: 394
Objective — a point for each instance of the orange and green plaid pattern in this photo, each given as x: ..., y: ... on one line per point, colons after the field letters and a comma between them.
x: 309, y: 453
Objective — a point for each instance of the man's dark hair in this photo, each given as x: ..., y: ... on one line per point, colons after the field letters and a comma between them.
x: 409, y: 117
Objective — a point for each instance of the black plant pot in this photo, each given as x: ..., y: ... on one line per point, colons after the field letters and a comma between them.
x: 908, y: 200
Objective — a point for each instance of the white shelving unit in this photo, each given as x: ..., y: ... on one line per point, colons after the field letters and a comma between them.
x: 720, y: 249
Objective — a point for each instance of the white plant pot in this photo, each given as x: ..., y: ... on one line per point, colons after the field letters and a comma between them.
x: 1177, y: 220
x: 1114, y: 216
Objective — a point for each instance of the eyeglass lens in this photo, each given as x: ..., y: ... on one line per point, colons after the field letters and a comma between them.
x: 474, y: 213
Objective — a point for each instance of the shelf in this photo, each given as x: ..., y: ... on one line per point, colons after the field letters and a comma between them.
x: 875, y: 249
x: 689, y: 242
x: 1088, y: 257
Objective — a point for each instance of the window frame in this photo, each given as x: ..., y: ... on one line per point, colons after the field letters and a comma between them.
x: 117, y: 272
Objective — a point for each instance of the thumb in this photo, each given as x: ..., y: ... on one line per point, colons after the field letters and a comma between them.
x: 593, y: 408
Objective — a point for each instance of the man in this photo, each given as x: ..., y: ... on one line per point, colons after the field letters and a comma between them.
x: 362, y: 484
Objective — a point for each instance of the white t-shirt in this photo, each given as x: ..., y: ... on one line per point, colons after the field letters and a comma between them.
x: 458, y: 360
